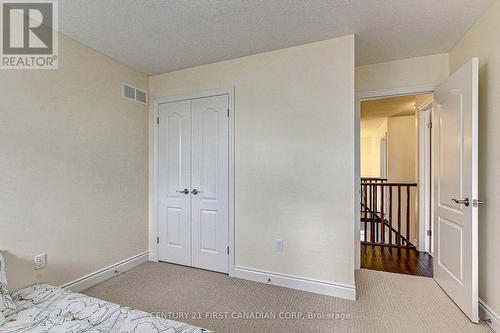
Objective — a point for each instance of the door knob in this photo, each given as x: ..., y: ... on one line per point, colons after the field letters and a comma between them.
x: 195, y: 191
x: 185, y: 191
x: 464, y: 202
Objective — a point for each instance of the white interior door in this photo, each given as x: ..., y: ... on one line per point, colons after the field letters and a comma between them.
x: 209, y: 179
x: 383, y: 157
x: 174, y: 182
x: 455, y: 184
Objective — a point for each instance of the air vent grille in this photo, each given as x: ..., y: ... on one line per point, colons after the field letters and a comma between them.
x: 140, y: 96
x: 128, y: 92
x: 133, y: 94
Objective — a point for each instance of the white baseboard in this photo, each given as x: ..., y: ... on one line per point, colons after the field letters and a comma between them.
x: 153, y: 256
x: 106, y: 273
x: 486, y: 313
x: 294, y: 282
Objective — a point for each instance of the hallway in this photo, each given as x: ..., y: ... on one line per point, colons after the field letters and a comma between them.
x: 396, y: 260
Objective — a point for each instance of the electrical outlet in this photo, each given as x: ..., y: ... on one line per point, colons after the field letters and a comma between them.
x: 40, y: 261
x: 279, y: 245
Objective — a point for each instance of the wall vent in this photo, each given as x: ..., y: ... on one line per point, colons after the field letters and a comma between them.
x: 134, y: 94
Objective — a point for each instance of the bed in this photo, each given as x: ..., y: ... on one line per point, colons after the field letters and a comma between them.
x: 45, y: 308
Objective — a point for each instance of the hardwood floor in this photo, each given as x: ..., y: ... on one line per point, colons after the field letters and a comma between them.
x: 391, y: 259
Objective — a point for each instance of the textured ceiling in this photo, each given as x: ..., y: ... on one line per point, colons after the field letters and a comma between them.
x: 160, y: 36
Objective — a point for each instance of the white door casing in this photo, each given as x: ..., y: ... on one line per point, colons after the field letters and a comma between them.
x: 456, y: 178
x: 383, y: 157
x: 210, y: 177
x: 362, y: 96
x: 193, y: 182
x: 174, y: 176
x: 424, y: 178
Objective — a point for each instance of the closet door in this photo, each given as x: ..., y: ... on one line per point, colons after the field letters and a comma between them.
x: 209, y: 182
x: 174, y: 177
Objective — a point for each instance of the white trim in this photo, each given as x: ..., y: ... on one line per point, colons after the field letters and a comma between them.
x: 424, y: 175
x: 153, y: 230
x: 153, y: 256
x: 196, y: 95
x: 153, y: 200
x: 475, y: 186
x: 427, y: 104
x: 361, y: 96
x: 394, y: 92
x: 357, y: 182
x: 232, y: 190
x: 315, y: 286
x: 487, y: 314
x: 106, y: 273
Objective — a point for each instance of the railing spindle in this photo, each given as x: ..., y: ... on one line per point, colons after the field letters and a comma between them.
x: 366, y: 212
x: 372, y: 225
x: 399, y: 216
x: 382, y: 220
x: 375, y: 209
x: 407, y: 216
x: 390, y: 215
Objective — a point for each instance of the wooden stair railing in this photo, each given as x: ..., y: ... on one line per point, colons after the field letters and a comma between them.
x: 373, y: 180
x: 378, y: 223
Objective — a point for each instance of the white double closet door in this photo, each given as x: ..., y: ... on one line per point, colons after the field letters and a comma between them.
x: 193, y: 166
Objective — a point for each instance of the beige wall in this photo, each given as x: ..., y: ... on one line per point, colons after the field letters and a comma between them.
x: 73, y: 167
x: 286, y: 102
x: 402, y: 149
x: 370, y: 156
x: 420, y: 71
x: 483, y: 41
x: 402, y: 166
x: 370, y: 149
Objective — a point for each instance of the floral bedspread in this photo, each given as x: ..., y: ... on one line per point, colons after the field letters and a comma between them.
x: 44, y: 308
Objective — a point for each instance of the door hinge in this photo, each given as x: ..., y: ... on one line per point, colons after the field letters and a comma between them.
x: 228, y: 113
x: 228, y: 250
x: 476, y: 203
x: 429, y: 232
x: 157, y: 120
x: 157, y: 240
x: 429, y: 125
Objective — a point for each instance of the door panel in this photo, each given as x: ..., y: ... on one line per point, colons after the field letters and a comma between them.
x: 455, y: 166
x: 208, y: 225
x: 174, y: 174
x: 210, y: 153
x: 174, y: 226
x: 451, y: 147
x: 451, y: 256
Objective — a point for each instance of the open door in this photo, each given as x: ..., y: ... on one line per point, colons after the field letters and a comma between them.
x: 456, y: 187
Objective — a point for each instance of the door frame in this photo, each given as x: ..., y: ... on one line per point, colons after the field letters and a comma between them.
x: 154, y: 199
x: 425, y: 174
x: 360, y: 97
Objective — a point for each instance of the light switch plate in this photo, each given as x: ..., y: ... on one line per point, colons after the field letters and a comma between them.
x: 40, y: 261
x: 279, y: 245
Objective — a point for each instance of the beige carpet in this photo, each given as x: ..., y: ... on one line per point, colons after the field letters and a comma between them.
x: 387, y: 302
